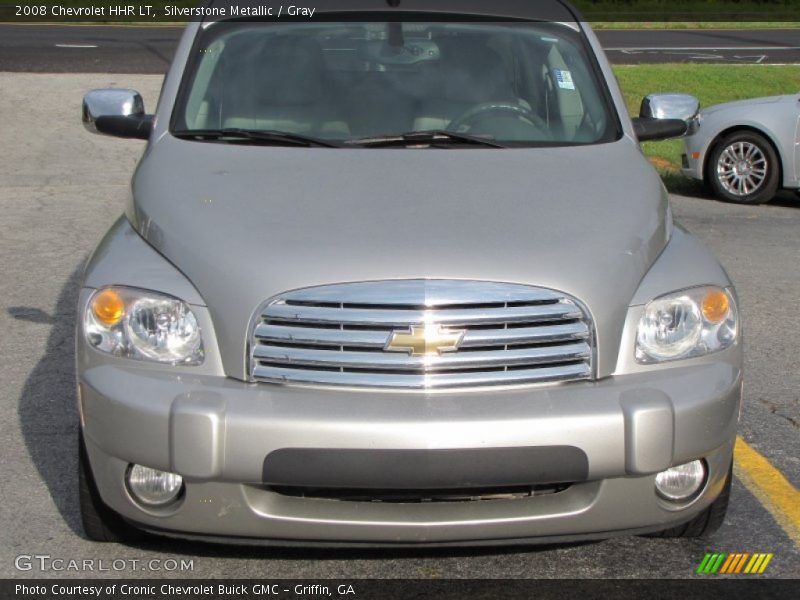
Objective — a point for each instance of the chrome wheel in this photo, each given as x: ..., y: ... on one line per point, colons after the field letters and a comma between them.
x: 742, y: 168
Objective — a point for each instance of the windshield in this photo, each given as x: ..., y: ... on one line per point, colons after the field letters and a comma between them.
x: 515, y: 83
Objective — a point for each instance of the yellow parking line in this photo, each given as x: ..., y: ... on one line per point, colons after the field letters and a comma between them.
x: 772, y: 489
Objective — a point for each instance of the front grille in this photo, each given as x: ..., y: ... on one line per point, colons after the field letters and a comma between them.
x: 404, y: 496
x: 369, y: 335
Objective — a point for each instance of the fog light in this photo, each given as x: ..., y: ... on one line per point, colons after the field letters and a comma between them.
x: 153, y: 487
x: 681, y: 482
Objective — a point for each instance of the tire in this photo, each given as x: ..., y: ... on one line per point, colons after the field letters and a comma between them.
x: 707, y: 522
x: 100, y: 523
x: 744, y: 168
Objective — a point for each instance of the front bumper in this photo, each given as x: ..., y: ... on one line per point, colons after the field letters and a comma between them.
x: 218, y: 432
x: 693, y: 156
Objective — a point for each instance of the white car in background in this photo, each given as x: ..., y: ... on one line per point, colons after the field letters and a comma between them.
x: 746, y: 151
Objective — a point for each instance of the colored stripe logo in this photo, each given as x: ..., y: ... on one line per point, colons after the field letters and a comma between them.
x: 721, y: 563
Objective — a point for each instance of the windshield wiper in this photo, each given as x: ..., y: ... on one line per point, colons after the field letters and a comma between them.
x: 265, y: 137
x: 427, y: 138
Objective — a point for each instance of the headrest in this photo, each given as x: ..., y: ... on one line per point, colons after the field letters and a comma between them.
x: 471, y: 72
x: 287, y: 70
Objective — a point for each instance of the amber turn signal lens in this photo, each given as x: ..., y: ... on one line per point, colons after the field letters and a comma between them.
x: 108, y: 307
x: 716, y: 306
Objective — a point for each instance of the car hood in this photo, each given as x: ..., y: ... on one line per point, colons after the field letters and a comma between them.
x: 245, y: 223
x: 750, y: 102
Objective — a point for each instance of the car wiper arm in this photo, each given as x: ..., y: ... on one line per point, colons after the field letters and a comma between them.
x: 266, y: 137
x: 435, y: 137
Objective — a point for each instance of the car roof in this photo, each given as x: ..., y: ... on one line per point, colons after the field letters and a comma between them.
x: 532, y: 10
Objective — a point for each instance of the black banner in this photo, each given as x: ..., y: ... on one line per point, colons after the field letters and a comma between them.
x: 396, y: 589
x: 178, y: 11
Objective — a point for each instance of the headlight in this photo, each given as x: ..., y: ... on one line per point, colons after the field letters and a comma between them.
x: 143, y: 325
x: 687, y: 324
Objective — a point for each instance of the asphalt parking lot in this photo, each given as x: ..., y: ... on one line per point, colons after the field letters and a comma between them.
x: 61, y: 188
x: 33, y: 48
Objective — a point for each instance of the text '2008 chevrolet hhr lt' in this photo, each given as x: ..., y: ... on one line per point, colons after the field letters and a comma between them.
x: 399, y: 273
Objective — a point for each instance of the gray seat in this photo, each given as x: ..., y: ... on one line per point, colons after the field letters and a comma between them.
x: 284, y: 80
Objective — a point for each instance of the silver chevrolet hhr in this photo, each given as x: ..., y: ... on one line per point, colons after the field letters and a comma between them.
x: 399, y: 273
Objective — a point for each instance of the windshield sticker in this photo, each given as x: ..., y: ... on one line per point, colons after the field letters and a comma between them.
x: 564, y: 79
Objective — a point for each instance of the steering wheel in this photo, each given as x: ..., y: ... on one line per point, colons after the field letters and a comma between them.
x: 468, y: 119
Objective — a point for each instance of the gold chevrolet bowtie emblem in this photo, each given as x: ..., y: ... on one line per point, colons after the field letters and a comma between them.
x: 425, y: 340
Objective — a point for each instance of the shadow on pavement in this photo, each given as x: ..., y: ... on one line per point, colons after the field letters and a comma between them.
x: 47, y: 409
x: 333, y: 552
x: 786, y: 199
x: 677, y: 183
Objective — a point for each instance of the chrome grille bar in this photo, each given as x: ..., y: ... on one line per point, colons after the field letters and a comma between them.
x: 402, y: 362
x: 497, y: 334
x: 424, y: 292
x: 422, y: 382
x: 560, y: 311
x: 377, y: 339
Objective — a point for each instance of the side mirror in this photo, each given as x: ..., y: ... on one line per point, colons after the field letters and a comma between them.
x: 116, y: 112
x: 664, y: 116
